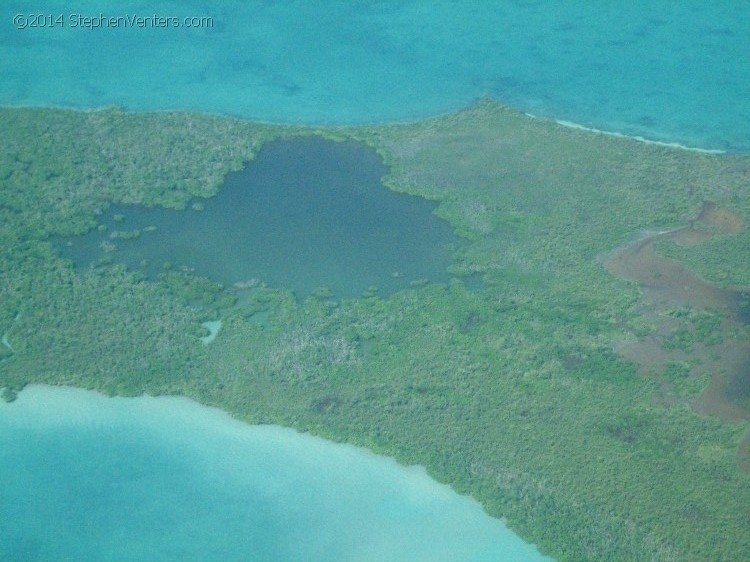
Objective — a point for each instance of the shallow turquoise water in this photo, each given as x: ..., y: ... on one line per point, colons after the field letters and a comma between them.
x: 305, y: 214
x: 665, y: 70
x: 92, y: 478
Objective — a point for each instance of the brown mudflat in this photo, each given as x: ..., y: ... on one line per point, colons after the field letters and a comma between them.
x: 667, y: 285
x: 724, y: 220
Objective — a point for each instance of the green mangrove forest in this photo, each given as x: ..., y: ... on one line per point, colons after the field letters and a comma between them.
x: 593, y: 390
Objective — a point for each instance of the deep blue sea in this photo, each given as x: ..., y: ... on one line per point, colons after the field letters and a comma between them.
x: 89, y: 478
x: 665, y: 70
x: 92, y: 478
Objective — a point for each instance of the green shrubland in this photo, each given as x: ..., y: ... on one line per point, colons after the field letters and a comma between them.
x: 512, y: 392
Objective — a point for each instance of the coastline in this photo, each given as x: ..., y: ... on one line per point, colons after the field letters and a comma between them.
x: 195, y: 428
x: 332, y: 127
x: 677, y: 145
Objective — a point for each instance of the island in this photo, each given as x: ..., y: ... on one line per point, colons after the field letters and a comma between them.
x: 583, y: 373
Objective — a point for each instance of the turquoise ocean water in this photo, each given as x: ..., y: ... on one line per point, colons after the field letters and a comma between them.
x: 670, y: 71
x: 92, y: 478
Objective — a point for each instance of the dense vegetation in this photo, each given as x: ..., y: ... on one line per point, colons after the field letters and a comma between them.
x: 513, y: 393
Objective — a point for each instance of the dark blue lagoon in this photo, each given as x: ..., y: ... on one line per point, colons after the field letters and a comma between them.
x: 92, y: 478
x: 307, y: 213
